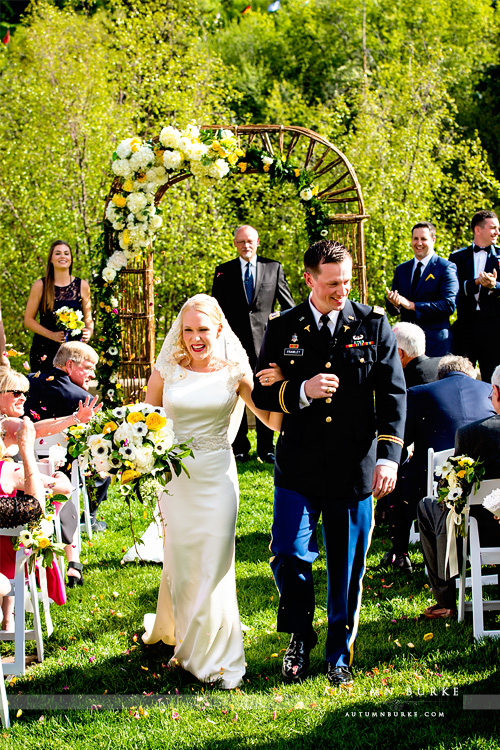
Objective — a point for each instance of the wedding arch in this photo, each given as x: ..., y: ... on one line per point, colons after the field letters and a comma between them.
x: 326, y: 185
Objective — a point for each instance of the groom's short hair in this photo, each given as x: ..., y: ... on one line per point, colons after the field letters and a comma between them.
x: 324, y: 251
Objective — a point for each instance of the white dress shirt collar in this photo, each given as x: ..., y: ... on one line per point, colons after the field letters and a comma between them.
x: 333, y: 316
x: 424, y: 261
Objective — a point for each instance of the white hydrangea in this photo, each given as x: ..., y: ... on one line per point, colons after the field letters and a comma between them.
x: 194, y: 150
x: 143, y: 158
x: 109, y: 275
x: 226, y: 134
x: 136, y: 202
x: 218, y: 169
x: 117, y: 260
x: 192, y: 130
x: 121, y: 167
x: 124, y: 150
x: 172, y: 159
x: 306, y: 194
x: 155, y: 222
x: 170, y: 137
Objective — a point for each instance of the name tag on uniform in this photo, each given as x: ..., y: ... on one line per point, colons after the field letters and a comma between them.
x: 293, y: 352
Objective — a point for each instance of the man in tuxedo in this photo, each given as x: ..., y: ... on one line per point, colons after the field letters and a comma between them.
x: 247, y: 289
x: 479, y: 440
x: 58, y: 393
x: 338, y: 445
x: 475, y: 332
x: 424, y: 290
x: 434, y: 413
x: 418, y: 368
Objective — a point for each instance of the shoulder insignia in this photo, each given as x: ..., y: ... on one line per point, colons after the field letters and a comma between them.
x: 378, y: 310
x: 274, y: 315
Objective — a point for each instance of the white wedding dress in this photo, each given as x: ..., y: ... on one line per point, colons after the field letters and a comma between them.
x: 197, y: 609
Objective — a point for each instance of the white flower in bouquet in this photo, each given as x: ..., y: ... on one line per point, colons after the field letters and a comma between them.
x: 113, y: 378
x: 192, y: 130
x: 218, y: 169
x: 172, y: 159
x: 156, y: 174
x: 124, y: 432
x: 227, y: 134
x: 124, y: 149
x: 140, y: 429
x: 136, y: 202
x: 46, y: 527
x: 144, y: 157
x: 117, y: 261
x: 113, y: 350
x: 194, y: 150
x: 102, y: 465
x: 128, y: 451
x: 110, y: 393
x: 57, y: 453
x: 109, y: 274
x: 144, y: 459
x: 26, y: 537
x: 306, y: 194
x: 98, y: 445
x: 455, y: 493
x: 121, y: 168
x: 155, y: 222
x: 114, y: 302
x: 170, y: 137
x: 120, y: 412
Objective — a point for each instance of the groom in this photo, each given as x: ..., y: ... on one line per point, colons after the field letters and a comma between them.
x: 334, y: 452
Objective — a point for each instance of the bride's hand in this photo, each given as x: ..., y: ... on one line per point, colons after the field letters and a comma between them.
x: 270, y: 375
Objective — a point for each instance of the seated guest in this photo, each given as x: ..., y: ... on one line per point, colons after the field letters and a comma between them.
x: 22, y: 499
x: 434, y: 412
x: 479, y: 440
x: 418, y: 368
x: 59, y: 392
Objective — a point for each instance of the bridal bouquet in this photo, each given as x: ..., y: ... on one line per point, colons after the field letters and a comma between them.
x: 70, y: 321
x: 457, y: 476
x: 130, y: 443
x: 36, y: 538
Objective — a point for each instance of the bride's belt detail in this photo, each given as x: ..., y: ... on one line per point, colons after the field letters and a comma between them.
x: 206, y: 442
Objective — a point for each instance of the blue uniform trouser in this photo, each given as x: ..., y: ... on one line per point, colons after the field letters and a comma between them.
x: 347, y: 529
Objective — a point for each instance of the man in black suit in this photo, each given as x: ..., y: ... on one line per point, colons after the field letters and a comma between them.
x: 418, y: 368
x: 424, y: 290
x: 338, y: 445
x: 58, y: 393
x: 247, y: 289
x: 434, y: 413
x: 475, y: 332
x: 479, y: 440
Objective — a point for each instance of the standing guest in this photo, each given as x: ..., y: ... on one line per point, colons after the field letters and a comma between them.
x: 247, y: 289
x: 418, y: 368
x: 59, y: 288
x: 58, y: 392
x: 475, y: 333
x: 424, y: 290
x: 479, y: 440
x: 434, y: 413
x: 338, y: 445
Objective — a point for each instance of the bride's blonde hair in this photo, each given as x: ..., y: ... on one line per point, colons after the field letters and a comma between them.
x: 202, y: 303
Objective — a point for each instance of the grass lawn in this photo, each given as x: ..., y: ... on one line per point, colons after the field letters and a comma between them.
x: 412, y: 675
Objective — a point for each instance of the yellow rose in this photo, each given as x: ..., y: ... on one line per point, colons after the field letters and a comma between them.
x: 461, y: 474
x: 108, y: 309
x: 240, y: 152
x: 159, y: 154
x: 232, y: 159
x: 296, y: 172
x: 129, y: 476
x: 155, y: 421
x: 266, y: 167
x: 135, y: 416
x: 128, y: 185
x: 215, y: 145
x: 101, y: 304
x: 43, y: 542
x: 135, y: 144
x: 243, y: 166
x: 126, y: 237
x: 109, y: 427
x: 119, y: 200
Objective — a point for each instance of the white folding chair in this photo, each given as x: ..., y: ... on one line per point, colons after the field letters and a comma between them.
x: 4, y: 703
x: 433, y: 459
x: 21, y: 634
x: 478, y: 556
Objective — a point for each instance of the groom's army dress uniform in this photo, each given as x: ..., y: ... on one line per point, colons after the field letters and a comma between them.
x: 326, y: 454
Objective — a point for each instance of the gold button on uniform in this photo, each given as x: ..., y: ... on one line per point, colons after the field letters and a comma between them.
x: 328, y: 400
x: 292, y: 361
x: 328, y: 419
x: 328, y: 364
x: 362, y: 360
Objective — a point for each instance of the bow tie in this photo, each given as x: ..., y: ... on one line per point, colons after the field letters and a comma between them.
x: 478, y: 249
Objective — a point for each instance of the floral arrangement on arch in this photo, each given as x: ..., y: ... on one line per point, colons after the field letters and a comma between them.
x: 142, y: 167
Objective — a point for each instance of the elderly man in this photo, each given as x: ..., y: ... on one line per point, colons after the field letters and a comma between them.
x: 58, y: 393
x: 475, y: 332
x: 343, y: 405
x: 424, y: 290
x: 418, y: 368
x: 434, y: 413
x: 247, y: 289
x: 479, y: 440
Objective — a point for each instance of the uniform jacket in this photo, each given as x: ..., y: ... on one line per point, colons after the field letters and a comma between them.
x: 249, y: 321
x: 489, y: 300
x: 434, y: 300
x: 53, y: 395
x: 329, y: 448
x: 434, y: 413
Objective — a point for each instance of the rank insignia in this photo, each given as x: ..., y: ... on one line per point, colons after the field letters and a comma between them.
x: 358, y: 338
x: 430, y: 276
x: 378, y: 310
x: 274, y: 315
x: 351, y: 317
x: 308, y: 328
x: 346, y: 328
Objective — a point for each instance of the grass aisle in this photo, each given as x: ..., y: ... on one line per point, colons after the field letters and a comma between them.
x: 411, y: 674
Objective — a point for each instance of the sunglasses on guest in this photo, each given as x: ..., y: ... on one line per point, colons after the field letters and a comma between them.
x: 16, y: 394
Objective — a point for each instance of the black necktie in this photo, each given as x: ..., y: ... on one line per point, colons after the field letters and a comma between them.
x: 416, y: 277
x: 325, y: 331
x: 249, y: 284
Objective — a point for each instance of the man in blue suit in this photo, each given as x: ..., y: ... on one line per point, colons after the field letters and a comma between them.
x: 424, y: 290
x: 435, y: 412
x: 475, y: 333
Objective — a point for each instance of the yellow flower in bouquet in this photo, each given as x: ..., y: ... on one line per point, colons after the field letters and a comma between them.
x: 134, y: 417
x: 109, y: 427
x: 129, y: 476
x: 155, y: 422
x: 43, y: 542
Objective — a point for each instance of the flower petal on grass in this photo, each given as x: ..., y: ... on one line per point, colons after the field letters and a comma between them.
x: 428, y: 636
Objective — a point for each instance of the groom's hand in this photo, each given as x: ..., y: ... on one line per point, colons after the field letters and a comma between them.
x: 384, y: 481
x: 321, y: 385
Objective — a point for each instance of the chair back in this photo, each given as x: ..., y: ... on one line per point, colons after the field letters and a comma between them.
x: 433, y: 459
x: 486, y: 486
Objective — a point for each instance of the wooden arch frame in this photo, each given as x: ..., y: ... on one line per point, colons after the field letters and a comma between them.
x: 338, y: 189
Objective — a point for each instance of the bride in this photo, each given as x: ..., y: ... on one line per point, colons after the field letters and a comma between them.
x: 199, y: 377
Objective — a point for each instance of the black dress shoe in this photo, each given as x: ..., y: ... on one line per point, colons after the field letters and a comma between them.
x: 241, y: 458
x: 398, y: 562
x: 267, y: 458
x: 296, y: 659
x: 339, y: 675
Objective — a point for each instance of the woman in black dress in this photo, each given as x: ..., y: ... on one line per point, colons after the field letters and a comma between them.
x: 48, y: 295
